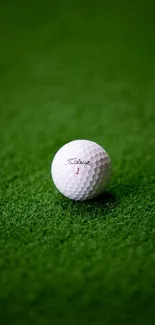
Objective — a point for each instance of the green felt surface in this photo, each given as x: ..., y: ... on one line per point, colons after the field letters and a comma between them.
x: 67, y: 72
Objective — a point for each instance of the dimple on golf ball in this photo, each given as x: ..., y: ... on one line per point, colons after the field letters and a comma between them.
x: 81, y: 170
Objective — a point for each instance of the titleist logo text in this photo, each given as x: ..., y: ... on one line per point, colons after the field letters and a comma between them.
x: 78, y: 161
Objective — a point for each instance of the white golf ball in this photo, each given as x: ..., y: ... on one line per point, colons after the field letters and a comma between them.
x: 81, y: 170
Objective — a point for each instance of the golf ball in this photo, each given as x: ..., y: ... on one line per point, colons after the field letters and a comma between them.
x: 81, y: 170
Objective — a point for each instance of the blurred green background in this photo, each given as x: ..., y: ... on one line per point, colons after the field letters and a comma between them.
x: 72, y: 70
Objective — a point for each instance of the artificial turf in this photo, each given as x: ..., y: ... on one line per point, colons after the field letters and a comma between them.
x: 67, y: 72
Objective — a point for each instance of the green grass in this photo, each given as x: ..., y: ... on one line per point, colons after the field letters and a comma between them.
x: 69, y: 72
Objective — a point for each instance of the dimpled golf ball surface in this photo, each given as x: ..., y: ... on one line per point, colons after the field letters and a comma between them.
x: 81, y: 170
